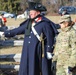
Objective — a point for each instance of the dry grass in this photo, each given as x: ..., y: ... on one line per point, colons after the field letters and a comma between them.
x: 13, y: 22
x: 10, y: 50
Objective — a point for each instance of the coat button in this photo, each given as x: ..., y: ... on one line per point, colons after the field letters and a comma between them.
x: 31, y: 31
x: 8, y: 33
x: 29, y: 42
x: 48, y: 46
x: 29, y: 36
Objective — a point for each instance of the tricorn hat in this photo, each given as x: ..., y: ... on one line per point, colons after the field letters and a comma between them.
x: 36, y: 6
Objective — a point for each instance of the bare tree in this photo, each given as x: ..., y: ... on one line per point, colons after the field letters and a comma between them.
x: 74, y: 3
x: 24, y: 4
x: 51, y: 5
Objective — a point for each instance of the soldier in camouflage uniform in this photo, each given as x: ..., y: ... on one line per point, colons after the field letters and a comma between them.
x: 65, y: 48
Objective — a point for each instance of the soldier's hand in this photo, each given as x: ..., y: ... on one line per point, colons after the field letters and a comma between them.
x: 49, y: 55
x: 53, y: 66
x: 70, y: 68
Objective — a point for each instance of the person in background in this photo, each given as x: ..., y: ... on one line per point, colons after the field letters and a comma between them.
x: 15, y: 17
x: 64, y: 12
x: 38, y: 42
x: 64, y: 59
x: 3, y: 21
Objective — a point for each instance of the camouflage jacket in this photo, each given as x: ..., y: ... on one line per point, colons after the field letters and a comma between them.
x: 65, y: 48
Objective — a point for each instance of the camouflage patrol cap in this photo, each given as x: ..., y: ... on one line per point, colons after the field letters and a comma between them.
x: 65, y: 18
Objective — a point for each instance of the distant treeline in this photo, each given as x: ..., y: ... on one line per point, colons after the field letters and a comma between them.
x: 12, y: 6
x: 18, y: 6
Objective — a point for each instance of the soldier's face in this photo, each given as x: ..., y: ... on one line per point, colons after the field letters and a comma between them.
x: 33, y: 13
x: 64, y: 25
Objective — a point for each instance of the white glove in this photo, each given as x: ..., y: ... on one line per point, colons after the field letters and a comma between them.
x: 1, y: 33
x: 68, y: 72
x: 49, y: 55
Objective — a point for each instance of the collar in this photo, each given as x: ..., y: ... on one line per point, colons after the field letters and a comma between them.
x: 38, y: 19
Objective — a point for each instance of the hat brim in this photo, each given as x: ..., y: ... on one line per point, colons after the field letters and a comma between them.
x: 42, y: 9
x: 67, y: 20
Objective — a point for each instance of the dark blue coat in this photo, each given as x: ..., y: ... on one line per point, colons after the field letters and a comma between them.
x: 30, y: 60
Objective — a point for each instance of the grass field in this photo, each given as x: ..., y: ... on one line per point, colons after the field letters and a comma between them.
x: 13, y: 22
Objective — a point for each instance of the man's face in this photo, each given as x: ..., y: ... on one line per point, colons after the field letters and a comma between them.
x: 33, y: 13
